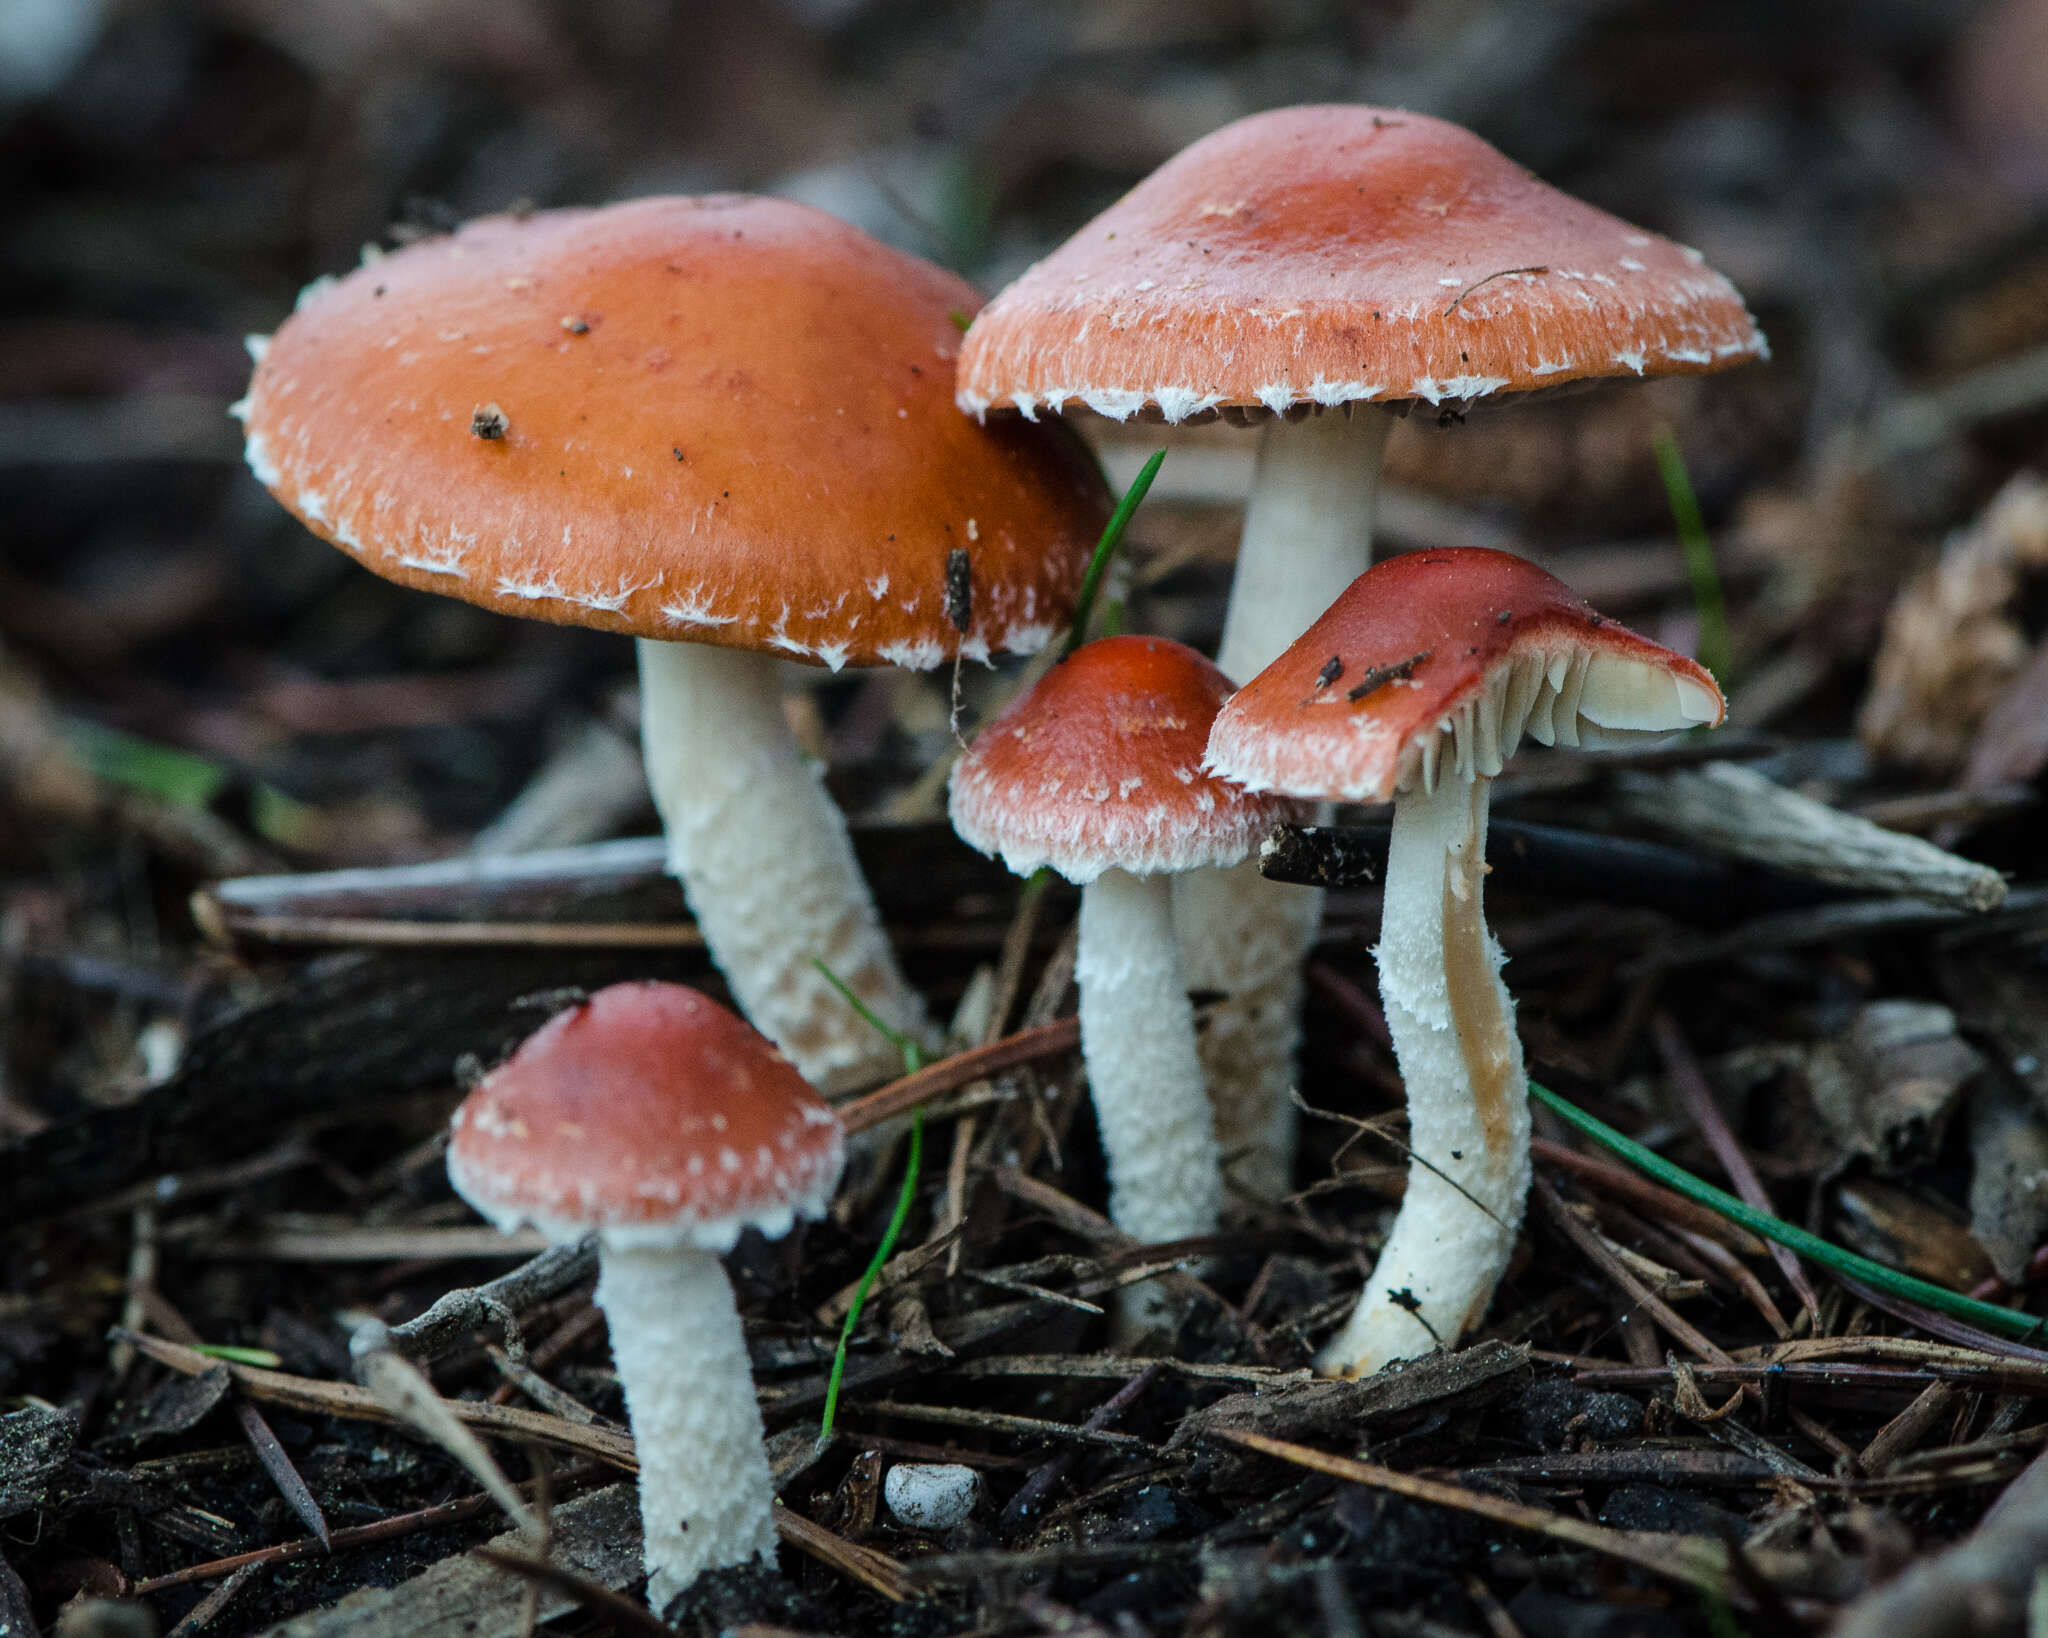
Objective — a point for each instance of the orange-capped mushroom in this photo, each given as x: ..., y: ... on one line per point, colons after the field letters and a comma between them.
x: 723, y: 426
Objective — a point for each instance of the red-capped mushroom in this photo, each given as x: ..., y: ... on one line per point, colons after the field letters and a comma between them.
x: 1303, y: 267
x: 1097, y: 773
x: 655, y: 1119
x: 1415, y: 686
x: 740, y: 447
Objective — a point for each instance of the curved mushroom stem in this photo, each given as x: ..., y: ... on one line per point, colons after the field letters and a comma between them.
x: 1468, y: 1106
x: 706, y: 1498
x: 766, y: 862
x: 1307, y: 535
x: 1138, y: 1042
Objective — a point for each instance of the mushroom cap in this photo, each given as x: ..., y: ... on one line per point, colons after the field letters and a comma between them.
x: 1098, y: 768
x: 1336, y: 254
x: 1449, y: 654
x: 723, y: 419
x: 651, y: 1115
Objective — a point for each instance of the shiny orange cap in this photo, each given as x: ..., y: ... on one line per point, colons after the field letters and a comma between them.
x: 1337, y: 254
x: 1099, y: 768
x: 724, y: 420
x: 1448, y: 654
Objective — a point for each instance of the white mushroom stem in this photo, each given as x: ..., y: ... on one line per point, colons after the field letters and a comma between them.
x: 1244, y: 938
x: 706, y: 1498
x: 1307, y: 531
x: 1468, y: 1108
x: 1307, y: 536
x: 1138, y: 1042
x: 765, y: 860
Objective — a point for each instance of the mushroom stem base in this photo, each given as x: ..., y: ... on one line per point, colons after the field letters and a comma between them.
x: 766, y: 862
x: 706, y: 1499
x: 1468, y: 1108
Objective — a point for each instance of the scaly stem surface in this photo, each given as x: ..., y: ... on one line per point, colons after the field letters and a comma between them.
x: 706, y: 1499
x: 1468, y: 1110
x: 1138, y: 1042
x: 766, y: 862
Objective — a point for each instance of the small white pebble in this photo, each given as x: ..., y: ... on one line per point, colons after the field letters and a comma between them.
x: 931, y: 1495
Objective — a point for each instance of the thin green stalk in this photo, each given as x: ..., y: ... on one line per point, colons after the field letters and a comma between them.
x: 1924, y: 1292
x: 1105, y: 548
x: 262, y: 1358
x: 913, y: 1061
x: 1707, y: 601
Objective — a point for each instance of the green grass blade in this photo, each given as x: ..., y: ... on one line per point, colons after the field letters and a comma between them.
x: 1715, y: 653
x: 1105, y: 548
x: 1924, y: 1292
x: 906, y: 1197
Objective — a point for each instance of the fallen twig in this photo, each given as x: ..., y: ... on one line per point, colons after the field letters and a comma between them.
x: 1690, y: 1560
x: 962, y: 1069
x: 346, y: 1399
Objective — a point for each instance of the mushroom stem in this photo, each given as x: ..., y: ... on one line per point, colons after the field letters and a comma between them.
x: 706, y: 1498
x: 765, y: 860
x: 1307, y: 535
x: 1468, y: 1108
x: 1138, y: 1041
x: 1244, y: 938
x: 1307, y: 530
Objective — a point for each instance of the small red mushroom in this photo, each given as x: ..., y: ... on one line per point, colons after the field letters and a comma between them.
x: 1097, y: 773
x: 655, y: 1119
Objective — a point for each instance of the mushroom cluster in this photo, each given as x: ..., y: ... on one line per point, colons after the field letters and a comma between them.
x: 732, y: 428
x: 1307, y: 269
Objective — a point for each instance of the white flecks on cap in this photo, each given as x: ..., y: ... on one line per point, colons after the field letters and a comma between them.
x: 693, y: 608
x: 914, y: 653
x: 447, y: 562
x: 1116, y: 403
x: 1178, y: 403
x: 259, y: 461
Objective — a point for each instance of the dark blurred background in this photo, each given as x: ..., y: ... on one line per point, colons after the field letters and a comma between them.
x: 192, y: 685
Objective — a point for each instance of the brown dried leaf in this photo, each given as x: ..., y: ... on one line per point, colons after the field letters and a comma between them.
x: 1951, y: 644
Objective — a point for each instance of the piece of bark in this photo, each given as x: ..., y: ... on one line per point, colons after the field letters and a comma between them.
x: 2004, y: 1003
x: 35, y: 1442
x: 2008, y: 1175
x: 1734, y: 810
x: 1887, y: 1086
x: 597, y: 1535
x: 1467, y: 1379
x: 1557, y: 861
x: 17, y: 1619
x: 1905, y: 1231
x: 2012, y: 745
x: 1975, y: 1589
